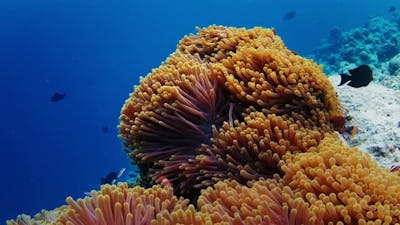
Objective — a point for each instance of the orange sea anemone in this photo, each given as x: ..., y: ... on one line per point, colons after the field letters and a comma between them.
x: 119, y: 205
x: 192, y: 120
x: 346, y: 183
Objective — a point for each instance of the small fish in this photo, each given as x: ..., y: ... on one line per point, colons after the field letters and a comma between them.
x: 121, y: 172
x: 354, y: 131
x: 104, y: 129
x: 392, y: 8
x: 394, y: 168
x: 112, y: 177
x: 360, y: 77
x: 57, y: 97
x: 289, y: 15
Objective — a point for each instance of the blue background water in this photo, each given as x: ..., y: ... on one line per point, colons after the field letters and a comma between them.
x: 94, y: 51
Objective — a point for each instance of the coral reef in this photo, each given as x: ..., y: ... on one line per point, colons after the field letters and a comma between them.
x: 378, y: 127
x: 44, y: 217
x: 347, y: 183
x: 371, y: 44
x: 118, y: 204
x: 247, y: 151
x: 170, y: 114
x: 376, y: 43
x: 173, y: 122
x: 329, y: 184
x: 262, y: 202
x: 244, y: 129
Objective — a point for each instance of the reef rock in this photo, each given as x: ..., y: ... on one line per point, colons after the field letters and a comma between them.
x: 375, y: 111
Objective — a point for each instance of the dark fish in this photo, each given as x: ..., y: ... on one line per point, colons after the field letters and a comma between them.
x: 112, y: 177
x: 57, y: 97
x: 104, y: 129
x: 395, y: 42
x: 289, y: 15
x: 360, y: 77
x: 395, y: 168
x: 392, y: 8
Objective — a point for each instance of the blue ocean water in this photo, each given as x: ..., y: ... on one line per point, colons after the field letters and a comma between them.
x: 95, y: 51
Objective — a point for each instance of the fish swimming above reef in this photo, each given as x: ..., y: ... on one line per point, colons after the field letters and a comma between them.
x: 359, y: 77
x: 57, y: 97
x: 104, y: 129
x: 289, y: 15
x: 392, y: 8
x: 112, y: 177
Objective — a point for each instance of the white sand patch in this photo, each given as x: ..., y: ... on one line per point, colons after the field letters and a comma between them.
x: 375, y: 109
